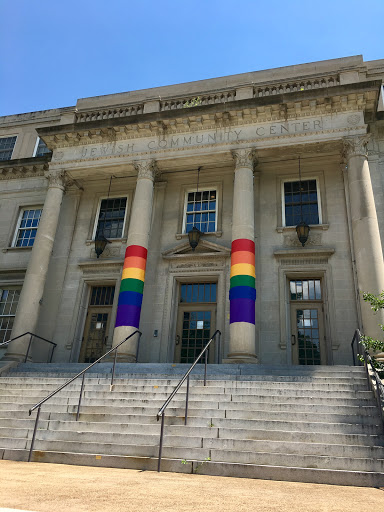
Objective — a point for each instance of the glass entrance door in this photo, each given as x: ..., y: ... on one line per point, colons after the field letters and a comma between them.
x: 95, y: 339
x: 307, y: 324
x: 195, y: 322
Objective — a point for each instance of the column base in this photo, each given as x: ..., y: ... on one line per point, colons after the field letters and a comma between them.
x: 236, y: 358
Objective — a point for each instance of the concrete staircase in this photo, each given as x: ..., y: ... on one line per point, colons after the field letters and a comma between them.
x: 308, y: 424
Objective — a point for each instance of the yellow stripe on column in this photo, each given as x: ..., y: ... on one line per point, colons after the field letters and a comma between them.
x: 243, y: 269
x: 133, y: 273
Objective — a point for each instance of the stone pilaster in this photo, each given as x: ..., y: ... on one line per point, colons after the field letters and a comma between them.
x: 133, y: 276
x: 242, y: 293
x: 365, y: 231
x: 33, y: 287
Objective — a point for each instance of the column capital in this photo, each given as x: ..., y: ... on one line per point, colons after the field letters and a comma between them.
x: 146, y: 169
x: 57, y: 179
x: 244, y: 157
x: 356, y: 146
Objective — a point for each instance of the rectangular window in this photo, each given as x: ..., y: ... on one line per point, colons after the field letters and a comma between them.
x: 111, y: 218
x: 102, y: 295
x: 301, y: 202
x: 198, y: 292
x: 6, y: 147
x: 8, y: 305
x: 41, y: 148
x: 305, y: 289
x: 27, y: 227
x: 201, y: 211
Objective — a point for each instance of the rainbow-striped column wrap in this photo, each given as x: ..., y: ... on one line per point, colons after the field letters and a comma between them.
x: 242, y: 293
x: 131, y: 289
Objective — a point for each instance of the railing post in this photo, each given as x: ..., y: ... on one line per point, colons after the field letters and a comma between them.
x: 113, y: 370
x: 138, y: 347
x: 219, y: 348
x: 29, y: 346
x: 205, y: 367
x: 53, y: 348
x: 161, y: 443
x: 80, y: 397
x: 186, y: 402
x: 34, y: 434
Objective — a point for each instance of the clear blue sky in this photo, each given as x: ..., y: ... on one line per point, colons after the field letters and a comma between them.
x: 55, y: 51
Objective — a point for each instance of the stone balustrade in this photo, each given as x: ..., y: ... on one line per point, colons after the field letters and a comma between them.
x: 112, y: 113
x: 198, y: 100
x: 303, y: 85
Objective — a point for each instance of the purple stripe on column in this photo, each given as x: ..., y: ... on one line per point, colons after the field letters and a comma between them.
x: 242, y: 310
x: 128, y: 315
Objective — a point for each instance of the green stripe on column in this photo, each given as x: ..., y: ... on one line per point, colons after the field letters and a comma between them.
x: 243, y: 281
x: 132, y: 285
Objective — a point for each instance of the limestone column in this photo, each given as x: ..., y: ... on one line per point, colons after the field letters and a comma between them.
x: 242, y: 294
x: 365, y: 232
x: 132, y: 279
x: 33, y: 287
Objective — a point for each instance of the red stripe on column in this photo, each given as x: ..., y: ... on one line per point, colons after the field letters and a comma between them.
x: 243, y: 244
x: 136, y: 250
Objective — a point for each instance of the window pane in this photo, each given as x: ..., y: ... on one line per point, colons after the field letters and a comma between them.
x: 6, y: 147
x: 111, y: 217
x: 27, y: 229
x: 203, y: 201
x: 301, y: 203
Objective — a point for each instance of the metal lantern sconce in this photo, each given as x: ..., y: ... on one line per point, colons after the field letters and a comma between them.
x: 101, y: 241
x: 100, y: 244
x: 194, y: 237
x: 302, y: 229
x: 194, y: 234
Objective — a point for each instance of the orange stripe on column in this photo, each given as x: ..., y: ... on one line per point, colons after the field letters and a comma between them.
x: 242, y: 257
x: 135, y: 262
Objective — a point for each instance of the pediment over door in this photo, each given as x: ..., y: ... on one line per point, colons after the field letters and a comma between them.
x: 204, y: 250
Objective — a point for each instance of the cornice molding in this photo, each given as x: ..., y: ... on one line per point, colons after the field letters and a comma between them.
x: 22, y: 168
x: 281, y: 107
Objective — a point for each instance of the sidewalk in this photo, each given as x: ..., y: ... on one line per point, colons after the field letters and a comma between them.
x: 60, y: 488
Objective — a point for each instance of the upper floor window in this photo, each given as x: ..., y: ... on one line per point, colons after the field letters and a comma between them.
x: 111, y: 217
x: 40, y: 148
x: 6, y: 147
x: 201, y: 211
x: 301, y: 202
x: 27, y: 227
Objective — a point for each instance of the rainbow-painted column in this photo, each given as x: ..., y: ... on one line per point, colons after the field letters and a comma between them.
x: 242, y: 294
x: 133, y: 276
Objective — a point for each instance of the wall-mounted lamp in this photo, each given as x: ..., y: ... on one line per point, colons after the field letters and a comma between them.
x: 302, y: 229
x: 100, y: 244
x: 194, y: 237
x: 100, y: 240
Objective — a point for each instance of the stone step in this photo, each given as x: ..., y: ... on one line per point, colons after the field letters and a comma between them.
x: 290, y: 415
x: 204, y: 401
x: 239, y: 395
x: 164, y: 386
x: 273, y: 424
x: 57, y: 378
x: 266, y: 472
x: 303, y: 448
x: 172, y: 368
x: 216, y: 455
x: 241, y: 445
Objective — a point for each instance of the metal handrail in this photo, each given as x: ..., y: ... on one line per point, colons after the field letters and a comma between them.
x: 54, y: 345
x: 172, y: 395
x: 379, y: 391
x: 83, y: 372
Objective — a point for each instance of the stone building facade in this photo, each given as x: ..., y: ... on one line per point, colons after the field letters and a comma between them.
x: 244, y: 159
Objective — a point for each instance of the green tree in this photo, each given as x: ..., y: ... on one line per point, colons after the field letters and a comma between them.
x: 377, y: 302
